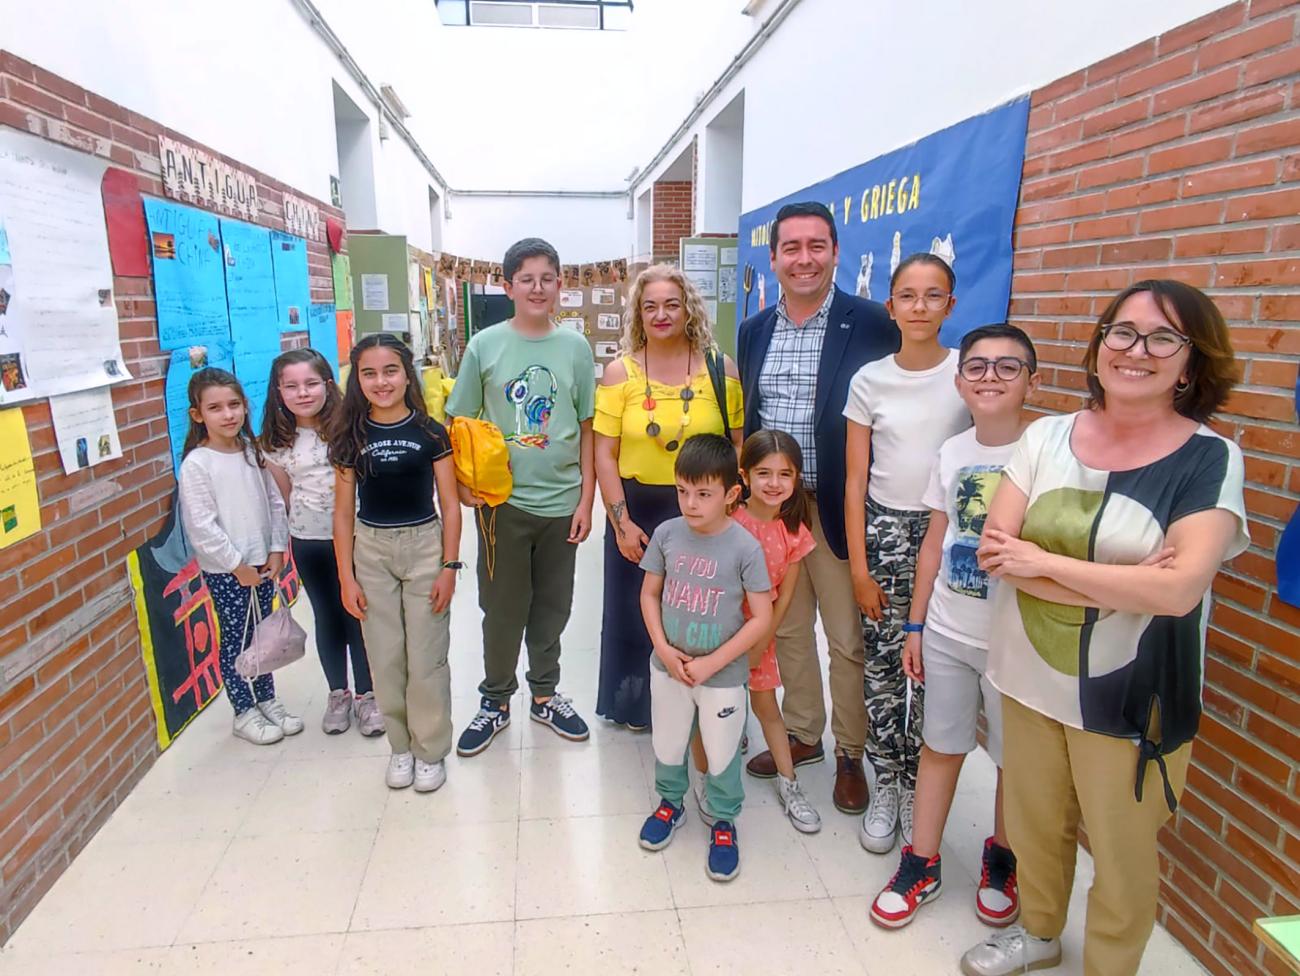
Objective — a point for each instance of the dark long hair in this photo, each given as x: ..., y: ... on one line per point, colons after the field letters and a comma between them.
x: 206, y: 379
x: 347, y: 437
x: 761, y: 445
x: 1212, y: 367
x: 279, y: 425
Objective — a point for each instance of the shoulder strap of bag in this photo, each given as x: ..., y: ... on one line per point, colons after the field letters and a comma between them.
x: 717, y: 373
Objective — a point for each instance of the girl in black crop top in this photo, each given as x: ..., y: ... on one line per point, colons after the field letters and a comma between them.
x: 392, y: 457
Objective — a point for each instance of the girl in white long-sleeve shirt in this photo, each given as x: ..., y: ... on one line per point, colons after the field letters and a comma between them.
x: 235, y: 520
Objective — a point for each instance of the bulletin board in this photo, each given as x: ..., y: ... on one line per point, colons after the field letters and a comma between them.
x: 710, y: 262
x: 381, y: 291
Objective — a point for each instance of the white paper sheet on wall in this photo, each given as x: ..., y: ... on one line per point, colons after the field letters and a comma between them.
x: 85, y: 428
x: 374, y: 292
x: 58, y: 321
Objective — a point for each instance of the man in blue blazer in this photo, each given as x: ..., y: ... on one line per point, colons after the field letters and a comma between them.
x: 796, y: 360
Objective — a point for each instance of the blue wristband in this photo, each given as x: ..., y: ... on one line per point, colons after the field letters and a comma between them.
x: 911, y: 628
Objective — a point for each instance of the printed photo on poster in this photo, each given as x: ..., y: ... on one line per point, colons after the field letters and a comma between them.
x: 572, y: 320
x: 727, y: 255
x: 602, y: 296
x: 569, y: 276
x: 571, y: 298
x: 609, y: 322
x: 727, y: 284
x: 586, y: 275
x: 607, y: 350
x: 85, y: 428
x: 394, y: 322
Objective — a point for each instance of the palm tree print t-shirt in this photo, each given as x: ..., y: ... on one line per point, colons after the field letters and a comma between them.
x: 1102, y: 670
x: 962, y: 482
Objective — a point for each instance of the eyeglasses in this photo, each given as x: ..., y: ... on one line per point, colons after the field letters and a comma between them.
x: 527, y: 282
x: 311, y: 386
x: 1160, y: 344
x: 933, y: 300
x: 1004, y: 368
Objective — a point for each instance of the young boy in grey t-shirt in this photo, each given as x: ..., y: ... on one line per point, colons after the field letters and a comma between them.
x: 700, y: 572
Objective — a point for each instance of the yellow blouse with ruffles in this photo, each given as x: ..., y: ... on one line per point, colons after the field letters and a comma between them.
x: 621, y: 413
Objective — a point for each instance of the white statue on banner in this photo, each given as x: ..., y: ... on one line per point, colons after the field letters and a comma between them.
x: 896, y: 255
x: 943, y: 247
x: 864, y: 275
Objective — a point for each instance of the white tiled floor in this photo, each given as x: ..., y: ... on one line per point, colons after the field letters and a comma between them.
x: 296, y: 859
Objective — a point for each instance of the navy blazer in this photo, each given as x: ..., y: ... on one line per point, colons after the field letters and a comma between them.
x: 858, y: 332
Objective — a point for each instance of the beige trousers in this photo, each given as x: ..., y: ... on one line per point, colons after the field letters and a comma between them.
x: 406, y: 641
x: 1053, y: 776
x: 824, y: 585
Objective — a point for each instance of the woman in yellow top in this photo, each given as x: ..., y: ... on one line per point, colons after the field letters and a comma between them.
x: 648, y: 402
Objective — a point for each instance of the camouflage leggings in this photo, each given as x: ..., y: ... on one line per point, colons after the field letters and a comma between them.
x: 894, y: 730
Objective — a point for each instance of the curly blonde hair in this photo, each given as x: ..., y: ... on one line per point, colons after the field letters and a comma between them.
x: 699, y: 330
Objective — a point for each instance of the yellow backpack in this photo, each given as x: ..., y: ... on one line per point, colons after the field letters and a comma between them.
x: 483, y: 466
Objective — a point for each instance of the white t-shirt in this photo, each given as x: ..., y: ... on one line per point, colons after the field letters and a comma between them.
x: 311, y: 497
x: 910, y: 413
x: 962, y: 484
x: 231, y: 509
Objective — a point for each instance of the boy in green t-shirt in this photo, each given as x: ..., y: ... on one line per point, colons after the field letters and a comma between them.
x: 537, y: 383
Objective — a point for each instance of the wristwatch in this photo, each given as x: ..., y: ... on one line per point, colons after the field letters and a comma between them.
x: 911, y: 628
x: 454, y: 564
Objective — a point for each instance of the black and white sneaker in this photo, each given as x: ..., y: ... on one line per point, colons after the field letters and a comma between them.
x: 492, y: 717
x: 557, y: 712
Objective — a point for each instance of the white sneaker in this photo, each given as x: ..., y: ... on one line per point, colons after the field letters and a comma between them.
x: 880, y: 822
x: 905, y: 808
x: 401, y: 771
x: 429, y: 775
x: 252, y: 726
x: 278, y: 715
x: 802, y: 814
x: 1011, y: 951
x: 338, y: 712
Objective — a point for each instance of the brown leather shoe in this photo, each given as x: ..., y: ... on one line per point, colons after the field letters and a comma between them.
x: 851, y: 793
x: 763, y: 766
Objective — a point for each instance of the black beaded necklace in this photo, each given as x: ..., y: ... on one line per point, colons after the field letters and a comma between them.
x: 652, y: 428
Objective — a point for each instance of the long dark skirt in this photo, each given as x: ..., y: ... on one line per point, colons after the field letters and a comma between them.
x: 624, y: 694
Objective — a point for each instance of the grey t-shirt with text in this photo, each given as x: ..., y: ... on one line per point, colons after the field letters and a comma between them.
x: 705, y: 581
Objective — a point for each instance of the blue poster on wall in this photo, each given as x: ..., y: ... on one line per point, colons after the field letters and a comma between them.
x: 953, y: 193
x: 323, y: 332
x: 253, y: 370
x: 184, y: 364
x: 250, y: 287
x: 189, y: 287
x: 292, y: 290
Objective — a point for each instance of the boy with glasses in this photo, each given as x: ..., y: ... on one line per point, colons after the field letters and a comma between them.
x: 537, y: 383
x: 948, y: 626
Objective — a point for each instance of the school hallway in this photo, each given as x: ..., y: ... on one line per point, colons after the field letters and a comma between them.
x: 296, y: 859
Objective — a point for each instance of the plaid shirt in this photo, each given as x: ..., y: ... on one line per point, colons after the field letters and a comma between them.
x: 787, y: 385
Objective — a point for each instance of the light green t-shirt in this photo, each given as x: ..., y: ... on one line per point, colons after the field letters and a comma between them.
x: 538, y: 391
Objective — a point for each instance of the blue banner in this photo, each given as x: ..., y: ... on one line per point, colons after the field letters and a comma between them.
x: 189, y: 287
x: 250, y: 287
x: 953, y: 193
x: 253, y: 370
x: 292, y: 290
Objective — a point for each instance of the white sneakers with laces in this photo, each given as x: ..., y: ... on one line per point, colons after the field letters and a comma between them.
x: 1011, y: 951
x: 429, y: 775
x: 401, y: 771
x: 275, y: 713
x: 880, y: 822
x: 802, y: 814
x: 252, y: 726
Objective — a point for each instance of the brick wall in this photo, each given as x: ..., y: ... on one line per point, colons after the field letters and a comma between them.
x: 76, y: 730
x: 1180, y: 158
x: 673, y: 209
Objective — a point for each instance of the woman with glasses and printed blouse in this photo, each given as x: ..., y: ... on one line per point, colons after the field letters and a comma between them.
x: 1109, y: 525
x: 661, y: 391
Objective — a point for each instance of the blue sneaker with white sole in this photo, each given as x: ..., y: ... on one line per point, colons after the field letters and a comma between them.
x: 724, y: 855
x: 558, y: 713
x: 492, y: 717
x: 658, y: 829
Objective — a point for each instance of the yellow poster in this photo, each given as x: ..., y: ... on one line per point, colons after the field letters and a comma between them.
x: 20, y: 505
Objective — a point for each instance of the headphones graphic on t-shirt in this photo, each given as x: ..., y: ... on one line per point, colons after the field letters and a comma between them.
x: 533, y: 409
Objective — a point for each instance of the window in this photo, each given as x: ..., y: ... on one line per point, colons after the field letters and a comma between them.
x: 570, y: 14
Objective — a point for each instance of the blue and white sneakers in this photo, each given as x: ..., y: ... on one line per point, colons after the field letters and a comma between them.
x: 658, y: 829
x: 492, y: 718
x: 724, y: 855
x: 557, y: 712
